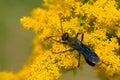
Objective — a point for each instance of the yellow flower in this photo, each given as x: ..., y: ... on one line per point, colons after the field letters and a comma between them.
x: 8, y: 76
x: 98, y: 20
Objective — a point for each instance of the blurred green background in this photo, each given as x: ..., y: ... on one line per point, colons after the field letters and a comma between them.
x: 16, y: 42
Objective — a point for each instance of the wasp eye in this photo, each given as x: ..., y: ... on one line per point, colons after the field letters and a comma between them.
x: 65, y: 36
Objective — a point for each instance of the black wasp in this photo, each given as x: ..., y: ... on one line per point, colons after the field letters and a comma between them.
x: 90, y: 56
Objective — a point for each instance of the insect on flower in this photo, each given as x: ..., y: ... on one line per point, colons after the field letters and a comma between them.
x: 90, y: 56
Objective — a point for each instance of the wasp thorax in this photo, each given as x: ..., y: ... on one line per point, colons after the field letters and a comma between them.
x: 65, y: 36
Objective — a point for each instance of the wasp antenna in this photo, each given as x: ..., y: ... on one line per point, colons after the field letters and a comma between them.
x: 61, y: 25
x: 60, y: 16
x: 52, y: 36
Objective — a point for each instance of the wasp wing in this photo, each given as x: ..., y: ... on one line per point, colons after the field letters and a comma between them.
x: 89, y: 62
x: 89, y: 55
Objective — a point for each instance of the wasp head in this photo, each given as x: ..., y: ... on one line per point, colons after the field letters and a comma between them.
x: 65, y: 36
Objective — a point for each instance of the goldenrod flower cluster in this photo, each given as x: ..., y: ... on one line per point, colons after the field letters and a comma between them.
x: 98, y: 20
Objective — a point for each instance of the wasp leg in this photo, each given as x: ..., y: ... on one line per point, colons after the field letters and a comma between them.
x: 64, y: 51
x: 81, y: 37
x: 77, y: 35
x: 57, y: 40
x: 79, y: 60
